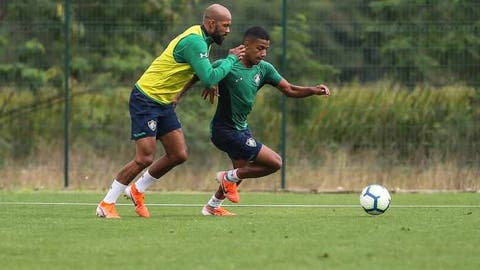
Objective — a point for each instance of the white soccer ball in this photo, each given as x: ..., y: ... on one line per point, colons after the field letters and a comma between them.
x: 375, y: 199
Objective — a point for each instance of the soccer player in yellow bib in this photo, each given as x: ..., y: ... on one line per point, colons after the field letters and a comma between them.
x: 152, y: 102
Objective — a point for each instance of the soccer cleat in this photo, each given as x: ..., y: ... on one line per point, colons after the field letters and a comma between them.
x: 229, y: 188
x: 138, y: 200
x: 107, y: 210
x: 207, y: 210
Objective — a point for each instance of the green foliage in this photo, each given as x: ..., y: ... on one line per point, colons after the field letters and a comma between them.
x: 124, y: 42
x: 7, y: 72
x: 126, y: 61
x: 32, y: 77
x: 31, y: 52
x: 301, y: 63
x: 28, y: 119
x: 398, y: 123
x: 431, y: 42
x: 80, y: 67
x: 414, y: 43
x: 119, y: 38
x: 55, y: 76
x: 28, y: 72
x: 26, y: 76
x: 101, y: 121
x: 408, y: 124
x: 411, y: 42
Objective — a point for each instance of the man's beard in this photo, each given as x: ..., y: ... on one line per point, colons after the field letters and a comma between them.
x: 217, y: 38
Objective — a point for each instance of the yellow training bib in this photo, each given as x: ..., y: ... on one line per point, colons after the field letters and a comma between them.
x: 165, y: 77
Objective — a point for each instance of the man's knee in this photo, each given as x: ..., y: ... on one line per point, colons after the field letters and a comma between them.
x: 144, y: 161
x: 277, y: 164
x: 178, y: 157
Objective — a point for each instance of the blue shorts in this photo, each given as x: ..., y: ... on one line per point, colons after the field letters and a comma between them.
x: 238, y: 144
x: 149, y: 118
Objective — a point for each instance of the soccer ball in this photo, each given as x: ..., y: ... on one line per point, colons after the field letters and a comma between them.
x: 375, y: 199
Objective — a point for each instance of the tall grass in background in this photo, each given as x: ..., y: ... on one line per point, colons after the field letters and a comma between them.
x: 425, y: 138
x: 408, y: 126
x: 420, y: 138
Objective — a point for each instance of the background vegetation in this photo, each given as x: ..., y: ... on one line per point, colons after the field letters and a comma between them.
x: 404, y: 110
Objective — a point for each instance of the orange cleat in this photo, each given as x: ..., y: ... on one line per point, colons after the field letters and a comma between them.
x: 207, y: 210
x: 107, y: 210
x: 138, y: 200
x: 229, y: 188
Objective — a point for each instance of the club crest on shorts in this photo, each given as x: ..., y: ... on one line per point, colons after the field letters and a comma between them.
x: 152, y: 124
x: 251, y: 142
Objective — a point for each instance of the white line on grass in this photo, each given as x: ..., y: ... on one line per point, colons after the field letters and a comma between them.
x: 246, y: 205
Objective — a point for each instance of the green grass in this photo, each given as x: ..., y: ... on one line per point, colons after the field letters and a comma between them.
x: 69, y: 236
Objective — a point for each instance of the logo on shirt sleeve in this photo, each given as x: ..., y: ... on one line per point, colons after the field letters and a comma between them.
x: 204, y: 55
x: 257, y: 79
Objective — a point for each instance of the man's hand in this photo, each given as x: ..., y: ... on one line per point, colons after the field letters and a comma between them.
x: 322, y: 90
x: 238, y: 51
x: 211, y: 93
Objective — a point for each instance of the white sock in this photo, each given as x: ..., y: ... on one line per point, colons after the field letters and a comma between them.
x: 214, y: 202
x: 145, y: 181
x: 114, y: 192
x: 232, y: 176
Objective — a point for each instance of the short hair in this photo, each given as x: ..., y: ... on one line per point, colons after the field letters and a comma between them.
x: 256, y: 32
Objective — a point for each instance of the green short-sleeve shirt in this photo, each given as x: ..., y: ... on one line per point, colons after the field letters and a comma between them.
x: 238, y: 91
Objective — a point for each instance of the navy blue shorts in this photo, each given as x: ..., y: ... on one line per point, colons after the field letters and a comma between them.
x: 149, y: 118
x: 238, y: 144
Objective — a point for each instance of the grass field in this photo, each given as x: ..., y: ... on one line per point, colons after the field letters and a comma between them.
x: 58, y: 230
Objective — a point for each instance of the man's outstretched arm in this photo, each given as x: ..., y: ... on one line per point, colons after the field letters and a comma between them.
x: 296, y: 91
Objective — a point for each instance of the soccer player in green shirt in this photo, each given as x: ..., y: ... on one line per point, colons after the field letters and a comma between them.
x: 229, y: 129
x: 152, y: 106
